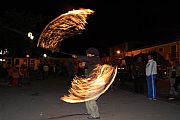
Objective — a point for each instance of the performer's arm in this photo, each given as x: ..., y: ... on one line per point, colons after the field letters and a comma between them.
x: 82, y: 58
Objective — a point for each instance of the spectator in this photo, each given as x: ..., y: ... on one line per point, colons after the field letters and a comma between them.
x: 81, y: 68
x: 14, y: 76
x: 177, y: 81
x: 70, y: 71
x: 46, y: 71
x: 24, y: 76
x: 172, y: 78
x: 138, y: 72
x: 65, y: 68
x: 3, y: 74
x: 151, y: 72
x: 41, y: 70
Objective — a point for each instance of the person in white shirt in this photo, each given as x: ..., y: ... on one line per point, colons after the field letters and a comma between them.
x: 151, y: 72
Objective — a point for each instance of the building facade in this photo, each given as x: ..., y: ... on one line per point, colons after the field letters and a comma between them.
x: 170, y: 51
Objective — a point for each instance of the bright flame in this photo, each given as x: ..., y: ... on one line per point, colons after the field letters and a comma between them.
x: 64, y: 26
x: 85, y: 89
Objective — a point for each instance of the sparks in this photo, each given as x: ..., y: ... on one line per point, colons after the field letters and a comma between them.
x: 85, y: 89
x: 64, y: 26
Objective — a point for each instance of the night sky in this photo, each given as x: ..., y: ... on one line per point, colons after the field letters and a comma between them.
x: 112, y: 23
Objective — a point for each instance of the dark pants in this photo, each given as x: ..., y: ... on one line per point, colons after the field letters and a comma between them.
x: 176, y: 84
x: 139, y: 82
x: 70, y: 78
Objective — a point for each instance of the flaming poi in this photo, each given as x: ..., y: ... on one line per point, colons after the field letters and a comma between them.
x: 85, y: 89
x: 64, y: 26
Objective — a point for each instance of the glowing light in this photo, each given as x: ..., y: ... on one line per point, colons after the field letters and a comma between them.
x: 2, y: 60
x: 64, y: 26
x: 27, y: 56
x: 30, y: 35
x: 85, y: 89
x: 3, y: 52
x: 45, y: 55
x: 118, y: 51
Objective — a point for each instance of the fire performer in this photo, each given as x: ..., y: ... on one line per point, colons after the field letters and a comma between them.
x: 98, y: 77
x: 92, y: 59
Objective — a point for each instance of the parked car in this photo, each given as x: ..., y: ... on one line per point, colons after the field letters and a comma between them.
x: 123, y: 73
x: 161, y: 72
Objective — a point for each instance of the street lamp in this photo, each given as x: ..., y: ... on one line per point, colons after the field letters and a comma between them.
x: 30, y: 35
x: 45, y: 55
x: 118, y: 51
x: 27, y: 55
x: 2, y: 54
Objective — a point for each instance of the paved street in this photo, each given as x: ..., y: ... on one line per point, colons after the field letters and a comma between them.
x: 40, y: 101
x: 163, y: 88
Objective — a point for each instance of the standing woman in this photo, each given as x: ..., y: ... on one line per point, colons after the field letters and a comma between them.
x: 151, y: 72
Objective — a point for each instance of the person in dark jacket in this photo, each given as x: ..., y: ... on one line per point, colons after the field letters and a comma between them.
x: 177, y: 79
x: 91, y: 60
x: 139, y: 75
x: 70, y: 70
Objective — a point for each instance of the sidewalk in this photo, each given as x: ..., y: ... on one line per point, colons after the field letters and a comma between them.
x: 40, y: 101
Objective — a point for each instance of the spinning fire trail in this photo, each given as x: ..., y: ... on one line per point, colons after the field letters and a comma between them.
x: 67, y: 25
x: 85, y: 89
x: 62, y: 27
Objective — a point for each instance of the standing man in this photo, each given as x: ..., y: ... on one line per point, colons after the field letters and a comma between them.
x: 70, y: 70
x: 46, y: 71
x: 138, y: 72
x: 172, y: 79
x: 151, y: 72
x: 91, y: 60
x: 177, y: 81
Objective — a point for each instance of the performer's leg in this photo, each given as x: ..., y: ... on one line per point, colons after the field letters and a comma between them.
x: 94, y: 108
x: 88, y: 107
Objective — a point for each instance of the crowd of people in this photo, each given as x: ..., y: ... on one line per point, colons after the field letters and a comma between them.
x: 145, y: 74
x: 14, y: 76
x: 142, y: 73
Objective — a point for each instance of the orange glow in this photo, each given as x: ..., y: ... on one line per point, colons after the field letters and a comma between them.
x: 62, y: 27
x: 85, y: 89
x: 118, y: 51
